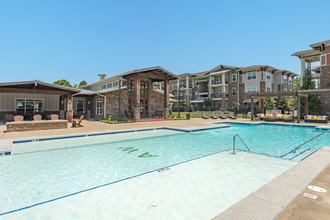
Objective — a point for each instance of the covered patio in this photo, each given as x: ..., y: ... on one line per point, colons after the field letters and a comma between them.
x: 298, y: 93
x: 29, y: 98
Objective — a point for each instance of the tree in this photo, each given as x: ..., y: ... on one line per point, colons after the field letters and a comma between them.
x: 184, y: 104
x: 207, y: 102
x: 293, y: 103
x: 66, y: 83
x: 82, y: 83
x: 283, y: 104
x: 63, y: 82
x: 297, y: 83
x: 314, y: 102
x: 269, y: 103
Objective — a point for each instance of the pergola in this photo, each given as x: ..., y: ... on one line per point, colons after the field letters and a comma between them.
x: 298, y: 93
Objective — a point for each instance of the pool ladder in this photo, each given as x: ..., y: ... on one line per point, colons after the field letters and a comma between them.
x: 234, y: 151
x: 310, y: 140
x: 257, y: 119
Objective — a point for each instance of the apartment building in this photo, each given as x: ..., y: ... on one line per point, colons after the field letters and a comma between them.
x: 230, y: 86
x: 319, y: 54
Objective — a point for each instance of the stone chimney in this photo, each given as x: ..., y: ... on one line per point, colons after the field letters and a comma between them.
x: 102, y: 76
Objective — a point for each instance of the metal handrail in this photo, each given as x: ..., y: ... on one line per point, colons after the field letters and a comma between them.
x: 257, y: 119
x: 310, y: 140
x: 234, y: 152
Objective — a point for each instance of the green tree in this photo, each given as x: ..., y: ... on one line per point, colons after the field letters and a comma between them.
x: 207, y: 103
x: 63, y: 82
x: 293, y: 103
x: 82, y: 83
x: 269, y: 104
x: 283, y: 104
x: 314, y: 102
x: 297, y: 83
x: 184, y: 104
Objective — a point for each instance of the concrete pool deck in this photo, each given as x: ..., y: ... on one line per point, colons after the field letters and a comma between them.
x: 95, y: 126
x: 281, y: 195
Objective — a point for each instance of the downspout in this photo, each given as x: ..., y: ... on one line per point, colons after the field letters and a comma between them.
x: 105, y: 104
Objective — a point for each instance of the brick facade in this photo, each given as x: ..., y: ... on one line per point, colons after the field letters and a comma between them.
x: 156, y: 103
x: 232, y: 98
x: 325, y: 78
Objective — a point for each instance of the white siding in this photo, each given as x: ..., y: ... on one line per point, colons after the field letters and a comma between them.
x: 8, y: 101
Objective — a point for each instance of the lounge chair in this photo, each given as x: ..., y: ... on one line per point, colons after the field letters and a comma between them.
x: 213, y: 116
x: 54, y: 117
x: 232, y: 116
x: 222, y: 115
x: 289, y: 118
x: 76, y: 123
x: 205, y: 116
x: 316, y: 119
x: 37, y: 117
x: 19, y: 118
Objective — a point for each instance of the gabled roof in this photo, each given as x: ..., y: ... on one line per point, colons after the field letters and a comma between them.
x: 159, y: 69
x: 254, y: 67
x: 221, y: 67
x: 327, y: 42
x: 36, y: 83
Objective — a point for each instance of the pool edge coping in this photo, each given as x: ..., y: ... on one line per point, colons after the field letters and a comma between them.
x: 264, y: 202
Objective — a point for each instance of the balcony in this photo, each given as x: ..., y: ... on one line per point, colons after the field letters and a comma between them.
x: 216, y: 82
x: 171, y: 87
x: 202, y: 90
x: 216, y: 96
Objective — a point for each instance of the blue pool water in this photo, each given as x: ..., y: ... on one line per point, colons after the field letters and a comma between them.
x: 32, y: 178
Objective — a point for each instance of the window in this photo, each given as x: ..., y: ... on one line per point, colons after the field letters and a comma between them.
x: 109, y: 85
x: 219, y: 104
x: 31, y: 106
x: 99, y: 106
x: 234, y: 91
x: 268, y: 75
x: 80, y: 105
x: 176, y: 95
x: 104, y: 86
x: 252, y: 75
x: 233, y: 104
x: 190, y: 95
x: 252, y: 89
x: 176, y: 85
x: 115, y: 84
x: 196, y: 94
x: 325, y: 59
x: 290, y: 80
x: 234, y: 78
x: 285, y: 79
x: 268, y: 89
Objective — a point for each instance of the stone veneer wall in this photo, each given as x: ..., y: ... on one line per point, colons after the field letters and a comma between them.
x: 325, y: 78
x: 156, y: 103
x: 262, y: 86
x: 243, y: 95
x: 113, y: 102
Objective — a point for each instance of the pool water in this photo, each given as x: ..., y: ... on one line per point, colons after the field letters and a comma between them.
x: 33, y: 178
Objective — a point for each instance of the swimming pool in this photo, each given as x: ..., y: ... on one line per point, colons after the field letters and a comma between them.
x: 33, y: 178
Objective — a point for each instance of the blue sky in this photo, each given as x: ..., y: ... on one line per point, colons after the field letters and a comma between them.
x: 77, y: 40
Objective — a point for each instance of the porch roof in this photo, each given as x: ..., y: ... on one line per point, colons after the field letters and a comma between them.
x: 198, y: 100
x: 35, y: 87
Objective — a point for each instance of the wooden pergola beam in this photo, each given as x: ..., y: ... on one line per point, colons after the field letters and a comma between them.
x: 302, y: 95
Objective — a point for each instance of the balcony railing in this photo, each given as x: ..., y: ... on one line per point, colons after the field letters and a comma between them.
x: 171, y: 88
x: 216, y: 82
x: 202, y: 90
x: 216, y: 96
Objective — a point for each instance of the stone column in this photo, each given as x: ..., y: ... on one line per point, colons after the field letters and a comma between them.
x: 166, y: 100
x: 302, y: 68
x: 68, y: 106
x: 262, y: 106
x: 137, y: 97
x: 160, y: 85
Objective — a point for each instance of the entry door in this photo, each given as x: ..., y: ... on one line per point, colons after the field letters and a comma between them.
x: 144, y: 108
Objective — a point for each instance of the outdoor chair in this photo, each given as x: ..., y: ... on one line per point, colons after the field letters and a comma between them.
x: 54, y: 117
x: 37, y: 117
x: 222, y: 115
x: 19, y: 118
x: 232, y: 116
x: 8, y: 118
x: 316, y: 119
x: 205, y: 116
x: 289, y: 118
x: 76, y: 123
x: 213, y: 116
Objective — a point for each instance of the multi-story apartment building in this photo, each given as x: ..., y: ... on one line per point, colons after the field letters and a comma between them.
x: 229, y: 86
x: 319, y: 53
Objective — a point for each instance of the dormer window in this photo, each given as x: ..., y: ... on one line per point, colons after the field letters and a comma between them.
x: 109, y: 85
x: 104, y: 86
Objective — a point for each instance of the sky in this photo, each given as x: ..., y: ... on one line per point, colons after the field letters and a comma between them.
x: 77, y: 40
